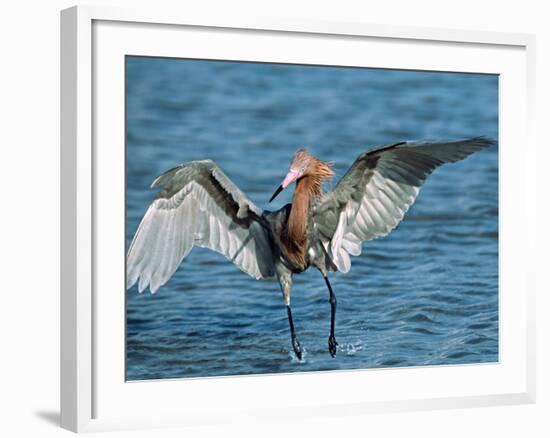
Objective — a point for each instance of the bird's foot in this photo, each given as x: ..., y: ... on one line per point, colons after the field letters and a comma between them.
x: 332, y: 345
x: 297, y: 348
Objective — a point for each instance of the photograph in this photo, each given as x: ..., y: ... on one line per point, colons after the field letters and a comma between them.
x: 290, y: 218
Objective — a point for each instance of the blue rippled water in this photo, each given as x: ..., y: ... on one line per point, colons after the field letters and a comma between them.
x: 427, y: 294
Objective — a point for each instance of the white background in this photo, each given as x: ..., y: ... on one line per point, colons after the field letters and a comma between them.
x: 29, y: 231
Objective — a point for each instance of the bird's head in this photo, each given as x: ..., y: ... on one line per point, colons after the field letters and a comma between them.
x: 304, y: 164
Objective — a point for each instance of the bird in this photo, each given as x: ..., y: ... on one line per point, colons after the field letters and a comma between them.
x: 197, y: 204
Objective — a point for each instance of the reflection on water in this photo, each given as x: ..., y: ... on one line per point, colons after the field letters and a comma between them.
x: 425, y: 294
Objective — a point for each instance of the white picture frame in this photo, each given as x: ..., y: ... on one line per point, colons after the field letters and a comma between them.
x: 93, y: 396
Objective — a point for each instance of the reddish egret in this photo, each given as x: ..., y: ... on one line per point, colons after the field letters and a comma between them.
x: 198, y: 205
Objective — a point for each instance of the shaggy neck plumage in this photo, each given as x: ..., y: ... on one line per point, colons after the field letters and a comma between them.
x: 308, y: 188
x: 299, y: 213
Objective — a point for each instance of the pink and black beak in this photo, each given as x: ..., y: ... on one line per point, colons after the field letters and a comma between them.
x: 292, y: 176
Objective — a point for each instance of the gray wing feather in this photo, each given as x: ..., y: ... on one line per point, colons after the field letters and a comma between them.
x: 198, y: 205
x: 373, y: 196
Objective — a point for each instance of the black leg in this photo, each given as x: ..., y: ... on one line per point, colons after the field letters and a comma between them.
x: 331, y: 339
x: 295, y: 343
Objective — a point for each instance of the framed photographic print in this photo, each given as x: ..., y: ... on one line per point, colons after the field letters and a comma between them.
x: 257, y: 208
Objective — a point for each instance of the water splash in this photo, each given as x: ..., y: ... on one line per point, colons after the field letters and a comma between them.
x: 351, y: 349
x: 294, y: 358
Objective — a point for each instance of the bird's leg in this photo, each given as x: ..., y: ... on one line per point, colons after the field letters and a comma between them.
x: 285, y: 281
x: 294, y: 339
x: 331, y: 339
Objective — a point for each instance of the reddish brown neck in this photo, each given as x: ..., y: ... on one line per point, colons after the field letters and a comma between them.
x: 296, y: 233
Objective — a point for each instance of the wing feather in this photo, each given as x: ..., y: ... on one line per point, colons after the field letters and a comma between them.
x: 372, y: 198
x: 198, y: 205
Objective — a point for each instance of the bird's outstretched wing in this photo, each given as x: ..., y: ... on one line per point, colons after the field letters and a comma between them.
x: 378, y: 189
x: 198, y: 205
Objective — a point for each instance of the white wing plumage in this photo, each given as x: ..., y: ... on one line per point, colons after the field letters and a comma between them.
x: 373, y: 196
x: 197, y: 206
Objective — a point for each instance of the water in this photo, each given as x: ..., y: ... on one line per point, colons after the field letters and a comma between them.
x: 427, y: 294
